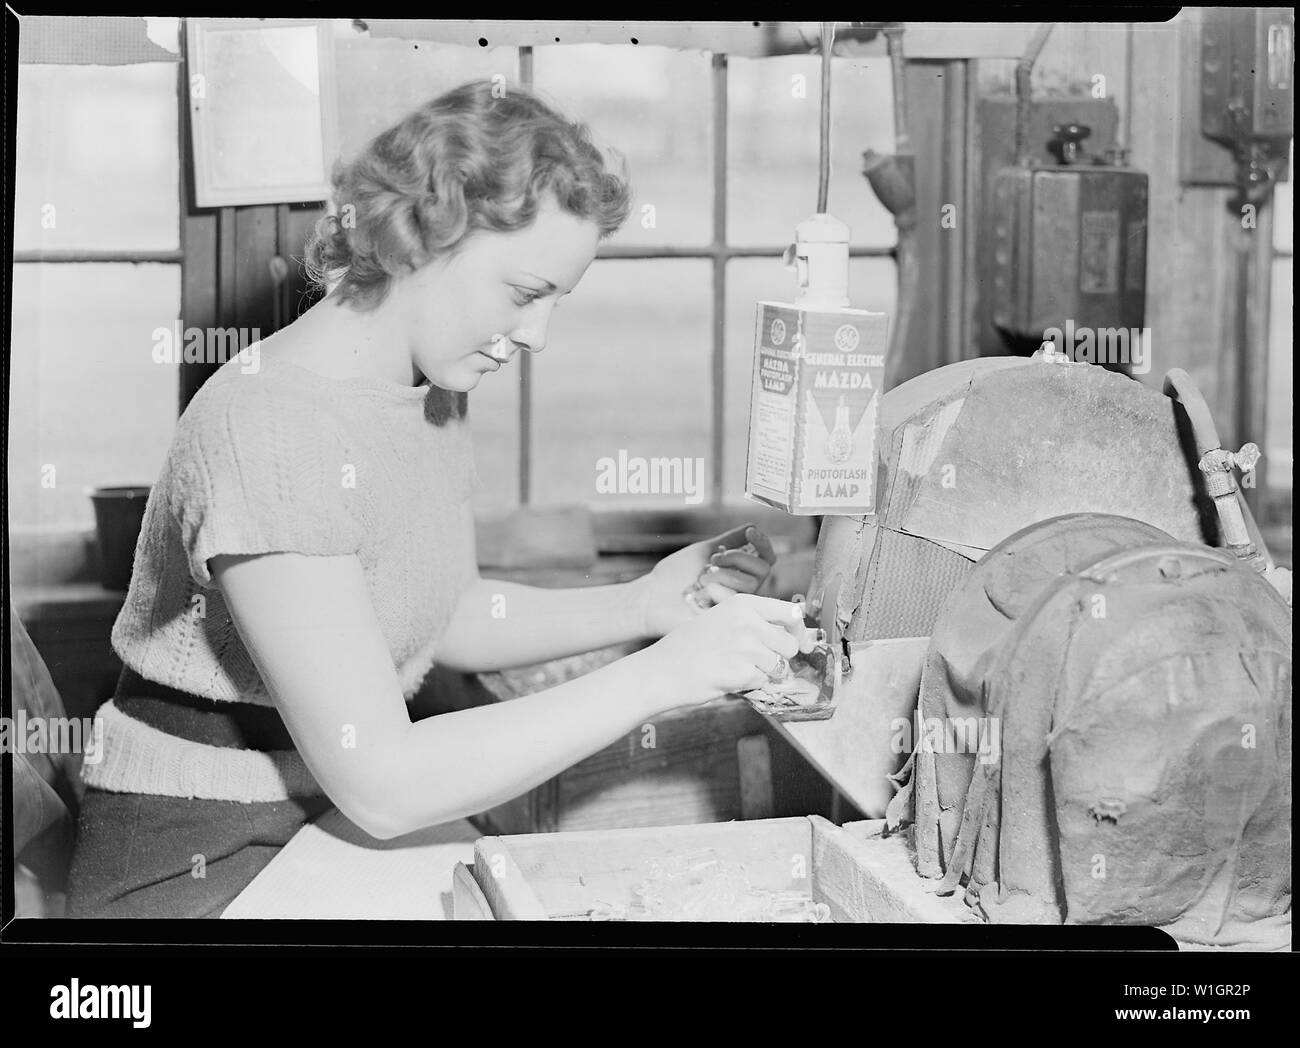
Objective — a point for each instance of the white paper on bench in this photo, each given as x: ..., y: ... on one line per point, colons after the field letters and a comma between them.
x: 331, y: 870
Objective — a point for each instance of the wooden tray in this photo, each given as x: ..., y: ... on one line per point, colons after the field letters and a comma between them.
x: 859, y: 875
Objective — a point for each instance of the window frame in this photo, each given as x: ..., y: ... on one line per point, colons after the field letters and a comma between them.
x: 718, y: 251
x: 54, y: 536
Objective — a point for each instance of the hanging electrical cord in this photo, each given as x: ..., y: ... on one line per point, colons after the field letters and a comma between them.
x: 1024, y: 89
x: 820, y: 254
x: 824, y: 162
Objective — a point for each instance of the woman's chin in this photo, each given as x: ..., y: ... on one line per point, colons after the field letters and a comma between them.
x: 461, y: 380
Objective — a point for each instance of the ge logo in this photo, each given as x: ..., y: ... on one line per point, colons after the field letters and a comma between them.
x: 778, y: 331
x: 846, y: 338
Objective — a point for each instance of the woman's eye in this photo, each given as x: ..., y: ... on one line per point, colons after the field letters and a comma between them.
x: 524, y: 296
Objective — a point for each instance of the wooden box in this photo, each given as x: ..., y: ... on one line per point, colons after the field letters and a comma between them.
x: 857, y: 874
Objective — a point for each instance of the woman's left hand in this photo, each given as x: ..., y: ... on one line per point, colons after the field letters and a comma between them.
x: 720, y: 572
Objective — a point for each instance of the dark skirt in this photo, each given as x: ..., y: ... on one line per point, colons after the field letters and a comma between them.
x: 139, y: 855
x: 145, y: 856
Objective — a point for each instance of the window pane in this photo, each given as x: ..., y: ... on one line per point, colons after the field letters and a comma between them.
x: 627, y: 368
x: 1279, y: 451
x: 773, y: 146
x: 653, y: 105
x: 96, y: 157
x: 86, y: 396
x: 872, y: 285
x: 380, y: 81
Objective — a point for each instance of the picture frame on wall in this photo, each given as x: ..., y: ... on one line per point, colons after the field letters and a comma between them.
x: 263, y: 118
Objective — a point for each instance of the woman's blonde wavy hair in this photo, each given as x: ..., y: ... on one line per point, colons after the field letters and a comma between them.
x: 475, y: 158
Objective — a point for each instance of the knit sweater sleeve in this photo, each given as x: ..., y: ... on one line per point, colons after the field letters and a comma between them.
x: 264, y: 471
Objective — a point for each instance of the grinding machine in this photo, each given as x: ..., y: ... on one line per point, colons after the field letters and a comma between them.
x: 1067, y: 655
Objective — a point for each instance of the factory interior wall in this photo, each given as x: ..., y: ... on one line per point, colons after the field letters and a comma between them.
x: 1191, y: 257
x: 1192, y: 237
x: 1191, y: 306
x: 1192, y: 250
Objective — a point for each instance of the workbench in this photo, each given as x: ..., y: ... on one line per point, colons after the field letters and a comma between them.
x: 332, y: 870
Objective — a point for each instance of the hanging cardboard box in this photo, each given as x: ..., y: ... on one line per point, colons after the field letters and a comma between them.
x: 818, y: 376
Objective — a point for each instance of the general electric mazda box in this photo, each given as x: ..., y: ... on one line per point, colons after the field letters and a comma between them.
x: 812, y: 418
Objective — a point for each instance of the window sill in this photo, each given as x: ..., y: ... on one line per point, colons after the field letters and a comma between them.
x: 662, y: 531
x: 41, y: 556
x: 66, y: 603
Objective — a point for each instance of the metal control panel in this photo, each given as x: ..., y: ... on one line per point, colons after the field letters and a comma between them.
x: 1069, y: 243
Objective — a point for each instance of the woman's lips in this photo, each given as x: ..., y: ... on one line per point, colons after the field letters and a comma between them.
x: 496, y: 364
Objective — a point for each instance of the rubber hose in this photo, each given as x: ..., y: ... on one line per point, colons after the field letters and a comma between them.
x: 1179, y: 385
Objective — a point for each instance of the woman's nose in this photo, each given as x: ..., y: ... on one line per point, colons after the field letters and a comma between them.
x: 531, y: 338
x: 534, y: 325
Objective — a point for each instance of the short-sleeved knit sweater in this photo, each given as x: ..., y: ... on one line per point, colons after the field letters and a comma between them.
x: 283, y: 459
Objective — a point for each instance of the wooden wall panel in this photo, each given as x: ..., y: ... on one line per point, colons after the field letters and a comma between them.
x: 1074, y: 53
x: 254, y: 247
x: 299, y: 223
x: 935, y: 94
x: 1190, y: 262
x: 227, y: 272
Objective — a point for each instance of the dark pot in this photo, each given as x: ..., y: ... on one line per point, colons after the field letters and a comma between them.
x: 119, y: 513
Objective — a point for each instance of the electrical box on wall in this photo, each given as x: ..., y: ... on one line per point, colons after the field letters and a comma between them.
x: 1248, y: 91
x: 1247, y: 73
x: 1237, y: 97
x: 995, y: 153
x: 1069, y: 245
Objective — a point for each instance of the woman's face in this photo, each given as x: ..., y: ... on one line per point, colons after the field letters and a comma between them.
x: 469, y: 314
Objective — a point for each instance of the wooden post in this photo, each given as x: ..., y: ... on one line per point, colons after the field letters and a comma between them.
x: 754, y: 758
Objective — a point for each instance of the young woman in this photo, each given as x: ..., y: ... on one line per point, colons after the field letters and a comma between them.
x: 308, y: 550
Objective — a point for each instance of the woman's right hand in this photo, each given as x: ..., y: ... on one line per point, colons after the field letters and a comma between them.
x: 731, y: 647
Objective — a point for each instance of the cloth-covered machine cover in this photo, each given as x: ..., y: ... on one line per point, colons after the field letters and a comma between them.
x: 1107, y: 737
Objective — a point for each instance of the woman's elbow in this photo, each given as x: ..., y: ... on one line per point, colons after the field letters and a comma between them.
x: 386, y: 823
x: 375, y: 807
x: 383, y: 822
x: 386, y: 804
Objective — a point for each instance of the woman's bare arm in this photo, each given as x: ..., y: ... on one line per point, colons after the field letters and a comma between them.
x: 311, y: 630
x: 500, y: 625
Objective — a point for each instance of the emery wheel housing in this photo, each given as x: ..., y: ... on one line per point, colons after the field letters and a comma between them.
x: 972, y: 453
